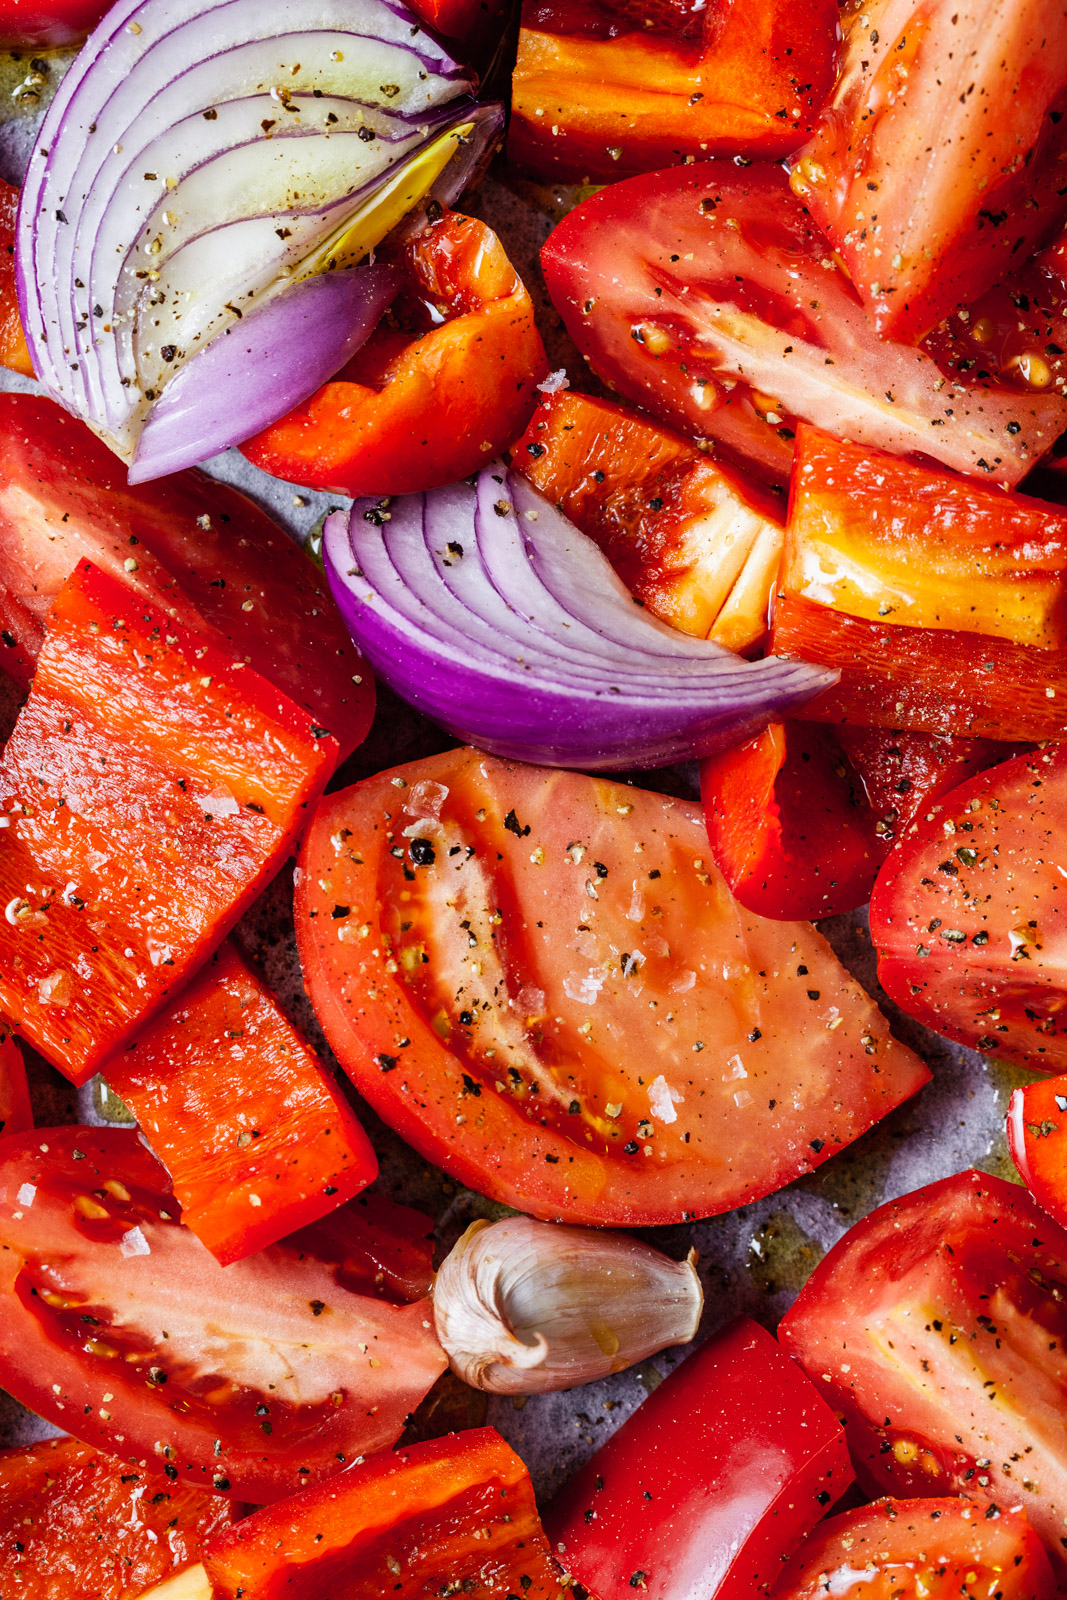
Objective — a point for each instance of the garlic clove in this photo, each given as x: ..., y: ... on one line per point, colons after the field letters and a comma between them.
x: 524, y: 1307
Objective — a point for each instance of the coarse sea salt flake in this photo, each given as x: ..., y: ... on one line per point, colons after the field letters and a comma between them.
x: 27, y: 1194
x: 134, y: 1243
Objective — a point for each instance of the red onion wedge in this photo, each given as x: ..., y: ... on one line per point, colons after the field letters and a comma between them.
x: 200, y: 163
x: 483, y: 606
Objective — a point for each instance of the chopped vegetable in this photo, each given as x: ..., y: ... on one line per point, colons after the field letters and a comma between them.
x: 16, y: 1113
x: 1037, y: 1134
x: 13, y: 351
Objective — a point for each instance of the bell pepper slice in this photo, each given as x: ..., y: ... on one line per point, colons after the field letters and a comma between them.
x: 13, y: 351
x: 16, y: 1113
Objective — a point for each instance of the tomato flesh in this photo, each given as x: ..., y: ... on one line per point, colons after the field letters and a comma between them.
x: 16, y: 1113
x: 150, y: 789
x: 201, y: 551
x: 710, y: 1483
x: 578, y: 1019
x: 254, y: 1380
x: 454, y: 1514
x: 936, y: 1328
x: 256, y: 1137
x: 965, y: 914
x: 920, y: 1550
x: 1036, y: 1137
x: 904, y: 773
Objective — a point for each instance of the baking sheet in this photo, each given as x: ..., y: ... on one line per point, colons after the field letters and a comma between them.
x: 753, y: 1260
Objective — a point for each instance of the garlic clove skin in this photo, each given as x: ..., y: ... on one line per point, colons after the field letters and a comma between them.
x: 524, y: 1307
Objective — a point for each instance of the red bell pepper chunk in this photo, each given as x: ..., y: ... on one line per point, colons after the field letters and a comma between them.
x: 1037, y: 1139
x: 149, y: 790
x: 256, y: 1136
x: 81, y: 1524
x: 416, y: 409
x: 200, y: 550
x: 472, y: 21
x: 450, y: 1516
x: 713, y: 1481
x: 903, y: 773
x: 790, y: 829
x: 13, y: 351
x: 16, y: 1113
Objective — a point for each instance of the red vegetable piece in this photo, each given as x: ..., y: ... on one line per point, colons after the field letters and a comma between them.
x: 711, y: 1482
x: 1037, y: 1139
x: 201, y: 551
x: 920, y: 1550
x: 965, y: 915
x: 924, y: 226
x: 416, y: 409
x: 904, y: 773
x: 13, y: 351
x: 257, y: 1138
x: 706, y: 294
x: 608, y: 88
x: 16, y: 1113
x: 273, y: 1374
x: 47, y: 24
x: 933, y: 1328
x: 473, y: 21
x: 88, y: 1526
x: 384, y: 1249
x: 151, y: 789
x: 454, y: 1514
x: 790, y: 828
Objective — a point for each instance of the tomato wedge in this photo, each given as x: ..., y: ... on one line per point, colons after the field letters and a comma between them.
x: 710, y: 1483
x: 257, y: 1138
x: 201, y: 551
x: 696, y: 542
x: 87, y: 1526
x: 687, y: 287
x: 789, y: 825
x: 541, y: 983
x: 936, y: 1328
x: 965, y: 914
x: 254, y: 1380
x: 920, y: 1550
x: 1037, y: 1125
x: 604, y: 90
x: 453, y: 1516
x: 13, y: 351
x: 937, y: 166
x: 16, y: 1113
x: 904, y: 773
x: 150, y: 789
x: 416, y: 409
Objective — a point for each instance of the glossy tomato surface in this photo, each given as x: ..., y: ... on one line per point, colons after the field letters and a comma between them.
x: 707, y: 295
x: 965, y: 915
x: 541, y: 982
x: 47, y: 24
x: 1037, y: 1139
x: 710, y: 1484
x: 936, y: 1327
x: 253, y: 1380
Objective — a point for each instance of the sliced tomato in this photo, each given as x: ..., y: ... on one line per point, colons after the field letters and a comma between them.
x: 417, y: 409
x: 13, y: 351
x: 149, y: 790
x: 604, y: 90
x: 682, y: 286
x: 540, y: 981
x: 383, y: 1249
x: 254, y: 1380
x: 937, y: 166
x: 711, y: 1482
x: 937, y: 1329
x: 904, y: 773
x: 257, y: 1138
x: 921, y: 1550
x: 16, y: 1113
x: 201, y: 551
x: 454, y: 1516
x: 1037, y: 1136
x: 84, y: 1525
x: 965, y: 914
x: 47, y: 24
x: 1015, y: 333
x: 790, y: 827
x: 697, y: 543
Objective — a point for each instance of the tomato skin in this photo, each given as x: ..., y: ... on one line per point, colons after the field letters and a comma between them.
x: 578, y: 972
x: 47, y: 24
x: 716, y: 1476
x: 924, y: 230
x: 930, y: 1328
x: 436, y: 409
x: 965, y: 915
x: 189, y: 1406
x: 257, y: 1138
x: 16, y: 1113
x: 458, y: 1510
x: 792, y: 835
x: 614, y: 97
x: 13, y: 351
x: 904, y: 773
x: 685, y: 286
x: 151, y: 789
x: 84, y: 1525
x: 1034, y: 1128
x: 920, y: 1550
x: 202, y: 551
